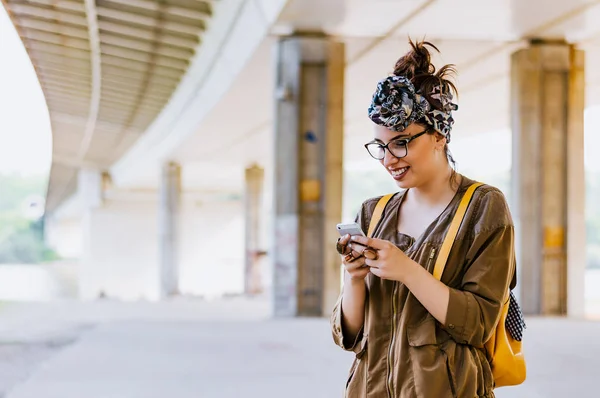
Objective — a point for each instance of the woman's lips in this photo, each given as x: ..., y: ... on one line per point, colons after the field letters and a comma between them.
x: 399, y: 174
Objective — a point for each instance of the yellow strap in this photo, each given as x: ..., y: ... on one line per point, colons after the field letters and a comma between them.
x: 440, y: 263
x: 378, y: 212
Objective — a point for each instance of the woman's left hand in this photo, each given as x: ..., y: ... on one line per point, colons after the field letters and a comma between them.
x: 383, y: 258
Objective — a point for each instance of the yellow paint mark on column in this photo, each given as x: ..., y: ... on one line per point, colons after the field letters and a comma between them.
x: 554, y: 237
x: 310, y: 190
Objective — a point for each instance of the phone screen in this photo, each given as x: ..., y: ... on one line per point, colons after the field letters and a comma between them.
x: 350, y: 229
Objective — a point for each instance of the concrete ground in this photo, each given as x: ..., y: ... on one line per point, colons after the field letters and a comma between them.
x: 227, y: 348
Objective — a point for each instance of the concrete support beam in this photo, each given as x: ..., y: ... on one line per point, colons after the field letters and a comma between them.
x: 119, y: 251
x: 308, y: 174
x: 253, y: 195
x: 148, y: 244
x: 548, y: 177
x: 90, y: 188
x: 90, y: 192
x: 168, y: 227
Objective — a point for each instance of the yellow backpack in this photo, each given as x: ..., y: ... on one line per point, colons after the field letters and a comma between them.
x: 504, y: 352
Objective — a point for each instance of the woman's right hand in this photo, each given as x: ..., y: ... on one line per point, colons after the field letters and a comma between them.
x: 354, y: 262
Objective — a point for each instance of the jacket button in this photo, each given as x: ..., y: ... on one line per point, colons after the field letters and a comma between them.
x: 451, y: 326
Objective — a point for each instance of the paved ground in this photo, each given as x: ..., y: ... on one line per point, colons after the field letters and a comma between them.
x: 228, y: 348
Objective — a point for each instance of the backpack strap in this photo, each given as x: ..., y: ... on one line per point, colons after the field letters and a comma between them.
x: 440, y: 263
x: 378, y: 212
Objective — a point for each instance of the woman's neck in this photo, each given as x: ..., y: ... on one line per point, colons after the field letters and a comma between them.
x: 437, y: 191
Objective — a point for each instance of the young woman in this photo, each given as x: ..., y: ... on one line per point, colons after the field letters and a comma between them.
x: 414, y: 335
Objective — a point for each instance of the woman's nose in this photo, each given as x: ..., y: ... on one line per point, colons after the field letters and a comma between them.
x: 388, y: 159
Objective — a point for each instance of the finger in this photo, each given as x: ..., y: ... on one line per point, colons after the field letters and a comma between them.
x: 355, y: 250
x: 348, y: 258
x: 345, y: 250
x: 358, y: 263
x: 352, y: 257
x: 371, y: 263
x: 370, y: 253
x: 356, y: 244
x: 344, y: 239
x: 357, y: 254
x: 370, y: 242
x: 341, y: 246
x: 357, y: 247
x: 376, y: 272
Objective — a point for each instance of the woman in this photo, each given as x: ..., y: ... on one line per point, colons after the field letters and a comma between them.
x: 413, y: 335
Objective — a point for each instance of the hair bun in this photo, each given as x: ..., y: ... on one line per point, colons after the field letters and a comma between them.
x: 417, y: 67
x: 416, y: 62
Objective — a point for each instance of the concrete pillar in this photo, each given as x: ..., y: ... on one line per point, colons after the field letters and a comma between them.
x: 90, y: 194
x: 90, y: 187
x: 168, y: 225
x: 548, y: 176
x: 253, y: 192
x: 308, y: 174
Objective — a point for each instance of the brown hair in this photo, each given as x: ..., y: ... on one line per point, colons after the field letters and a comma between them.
x: 416, y: 65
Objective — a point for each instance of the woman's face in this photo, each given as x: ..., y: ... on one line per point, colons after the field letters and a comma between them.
x: 423, y: 158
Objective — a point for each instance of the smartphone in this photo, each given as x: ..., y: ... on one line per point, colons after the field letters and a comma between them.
x: 351, y: 229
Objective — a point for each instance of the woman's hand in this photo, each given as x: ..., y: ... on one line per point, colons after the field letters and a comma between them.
x: 383, y: 258
x: 386, y: 261
x: 353, y: 261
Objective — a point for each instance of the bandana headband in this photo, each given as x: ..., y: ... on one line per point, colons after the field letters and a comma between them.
x: 396, y: 105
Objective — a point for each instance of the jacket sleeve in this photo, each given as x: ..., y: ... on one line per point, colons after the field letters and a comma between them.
x: 475, y: 307
x: 338, y: 332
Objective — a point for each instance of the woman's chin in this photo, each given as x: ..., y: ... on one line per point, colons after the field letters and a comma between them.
x: 405, y: 183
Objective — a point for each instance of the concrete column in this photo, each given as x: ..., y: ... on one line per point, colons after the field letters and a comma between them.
x: 90, y: 187
x: 168, y: 225
x: 90, y: 194
x: 548, y: 176
x: 253, y: 193
x: 308, y: 174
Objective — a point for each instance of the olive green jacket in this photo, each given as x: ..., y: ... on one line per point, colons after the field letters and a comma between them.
x: 402, y: 351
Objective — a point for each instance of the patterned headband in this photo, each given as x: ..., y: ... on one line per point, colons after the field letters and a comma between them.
x: 396, y: 105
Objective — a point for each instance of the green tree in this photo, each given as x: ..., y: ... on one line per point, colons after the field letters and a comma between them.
x: 21, y: 239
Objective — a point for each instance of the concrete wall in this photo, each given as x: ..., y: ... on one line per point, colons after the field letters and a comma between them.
x: 116, y: 245
x: 38, y: 282
x: 120, y: 257
x: 212, y: 248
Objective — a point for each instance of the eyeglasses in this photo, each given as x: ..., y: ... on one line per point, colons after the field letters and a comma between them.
x: 398, y: 147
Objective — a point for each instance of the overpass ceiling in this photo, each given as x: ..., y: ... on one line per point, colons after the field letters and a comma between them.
x: 107, y: 68
x: 478, y: 36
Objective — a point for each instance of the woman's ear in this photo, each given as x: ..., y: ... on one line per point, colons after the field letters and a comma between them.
x: 440, y: 141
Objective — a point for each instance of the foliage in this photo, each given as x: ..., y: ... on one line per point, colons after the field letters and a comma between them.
x: 21, y: 239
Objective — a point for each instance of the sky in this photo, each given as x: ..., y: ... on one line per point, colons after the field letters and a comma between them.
x: 25, y: 132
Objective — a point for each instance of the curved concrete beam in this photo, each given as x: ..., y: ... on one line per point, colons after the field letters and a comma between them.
x: 96, y: 65
x: 95, y: 95
x: 237, y: 28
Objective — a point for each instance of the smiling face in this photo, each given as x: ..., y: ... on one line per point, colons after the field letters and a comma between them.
x: 424, y: 155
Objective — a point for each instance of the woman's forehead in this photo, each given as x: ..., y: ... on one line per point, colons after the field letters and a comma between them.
x: 383, y: 133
